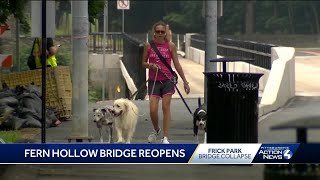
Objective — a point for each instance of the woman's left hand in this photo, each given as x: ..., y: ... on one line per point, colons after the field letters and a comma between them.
x: 186, y: 87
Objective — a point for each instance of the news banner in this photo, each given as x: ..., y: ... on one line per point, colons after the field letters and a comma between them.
x: 159, y: 153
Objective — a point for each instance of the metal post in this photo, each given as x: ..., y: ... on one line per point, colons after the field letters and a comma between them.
x: 104, y: 53
x: 211, y: 41
x: 178, y: 42
x: 107, y: 16
x: 44, y: 68
x: 17, y: 44
x: 80, y: 33
x: 122, y: 20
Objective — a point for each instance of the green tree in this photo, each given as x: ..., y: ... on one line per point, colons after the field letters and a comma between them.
x: 16, y: 8
x: 188, y: 18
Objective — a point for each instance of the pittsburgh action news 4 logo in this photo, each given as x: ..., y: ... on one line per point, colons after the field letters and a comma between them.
x: 287, y: 154
x: 273, y: 153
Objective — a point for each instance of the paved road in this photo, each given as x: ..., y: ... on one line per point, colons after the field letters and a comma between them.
x: 307, y: 75
x: 133, y: 172
x: 308, y: 52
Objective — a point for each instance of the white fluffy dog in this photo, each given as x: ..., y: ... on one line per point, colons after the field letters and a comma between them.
x: 125, y: 114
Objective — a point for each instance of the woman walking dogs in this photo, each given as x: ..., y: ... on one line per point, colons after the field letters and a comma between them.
x: 161, y: 82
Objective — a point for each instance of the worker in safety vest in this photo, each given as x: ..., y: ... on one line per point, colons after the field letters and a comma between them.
x: 51, y: 52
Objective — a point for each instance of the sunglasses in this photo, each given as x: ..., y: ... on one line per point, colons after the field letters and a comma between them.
x: 160, y: 32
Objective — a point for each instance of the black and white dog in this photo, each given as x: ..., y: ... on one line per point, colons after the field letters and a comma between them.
x: 200, y: 121
x: 104, y: 120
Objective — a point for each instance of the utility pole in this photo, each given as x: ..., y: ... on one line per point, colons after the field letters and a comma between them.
x: 107, y: 16
x: 44, y: 69
x: 80, y: 33
x: 104, y: 51
x: 122, y: 20
x: 18, y: 44
x: 211, y: 41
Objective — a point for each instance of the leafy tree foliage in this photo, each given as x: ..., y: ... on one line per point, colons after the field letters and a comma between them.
x: 280, y: 17
x: 16, y: 8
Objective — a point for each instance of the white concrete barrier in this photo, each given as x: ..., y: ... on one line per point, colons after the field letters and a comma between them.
x: 281, y: 83
x: 198, y: 56
x: 131, y: 86
x: 276, y: 86
x: 112, y: 69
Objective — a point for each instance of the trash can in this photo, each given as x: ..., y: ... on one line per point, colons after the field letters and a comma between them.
x: 232, y: 104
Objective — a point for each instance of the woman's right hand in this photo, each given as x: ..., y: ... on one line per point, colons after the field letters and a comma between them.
x: 154, y: 67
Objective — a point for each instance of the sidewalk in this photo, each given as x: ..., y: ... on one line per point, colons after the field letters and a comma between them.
x: 181, y: 132
x: 196, y: 83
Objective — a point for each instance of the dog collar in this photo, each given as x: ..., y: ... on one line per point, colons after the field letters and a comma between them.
x: 200, y: 111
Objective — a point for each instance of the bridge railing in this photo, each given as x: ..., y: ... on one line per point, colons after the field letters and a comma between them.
x: 113, y: 42
x: 260, y: 52
x: 177, y: 39
x: 132, y: 60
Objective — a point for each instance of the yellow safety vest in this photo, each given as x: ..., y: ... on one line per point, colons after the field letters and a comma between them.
x: 52, y: 61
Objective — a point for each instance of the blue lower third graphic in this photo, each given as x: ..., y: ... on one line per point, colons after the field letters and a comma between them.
x: 159, y: 153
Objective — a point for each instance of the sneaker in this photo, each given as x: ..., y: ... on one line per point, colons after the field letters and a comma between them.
x: 164, y: 140
x: 153, y: 136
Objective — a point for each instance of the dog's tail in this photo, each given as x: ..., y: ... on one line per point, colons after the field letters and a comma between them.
x: 199, y: 101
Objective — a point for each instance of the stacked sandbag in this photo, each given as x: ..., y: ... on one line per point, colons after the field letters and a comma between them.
x: 21, y: 108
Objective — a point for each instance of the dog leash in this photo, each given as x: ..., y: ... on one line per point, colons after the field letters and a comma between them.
x: 154, y: 82
x: 143, y: 86
x: 185, y: 103
x: 175, y: 85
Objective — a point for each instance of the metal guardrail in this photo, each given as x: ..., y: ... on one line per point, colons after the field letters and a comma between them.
x: 178, y: 39
x: 113, y: 42
x: 132, y: 60
x: 260, y: 52
x: 132, y: 50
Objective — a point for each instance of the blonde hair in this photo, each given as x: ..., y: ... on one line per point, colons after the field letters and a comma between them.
x: 168, y: 31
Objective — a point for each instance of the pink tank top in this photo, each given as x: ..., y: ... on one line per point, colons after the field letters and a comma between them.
x: 164, y: 49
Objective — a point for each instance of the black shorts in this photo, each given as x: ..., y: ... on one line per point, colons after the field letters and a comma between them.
x: 161, y: 88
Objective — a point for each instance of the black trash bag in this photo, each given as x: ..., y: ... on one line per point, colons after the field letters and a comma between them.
x: 30, y: 101
x: 33, y: 116
x: 25, y: 112
x: 31, y: 122
x: 9, y: 93
x: 19, y: 90
x: 9, y: 101
x: 52, y: 118
x: 6, y: 111
x: 12, y: 123
x: 33, y: 89
x: 33, y: 119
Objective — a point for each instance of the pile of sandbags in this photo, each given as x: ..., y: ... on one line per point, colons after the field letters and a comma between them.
x: 21, y: 108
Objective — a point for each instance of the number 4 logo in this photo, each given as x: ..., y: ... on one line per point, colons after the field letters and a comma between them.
x: 287, y: 154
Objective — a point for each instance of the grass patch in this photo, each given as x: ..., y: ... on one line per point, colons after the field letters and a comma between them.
x: 95, y: 94
x: 10, y: 136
